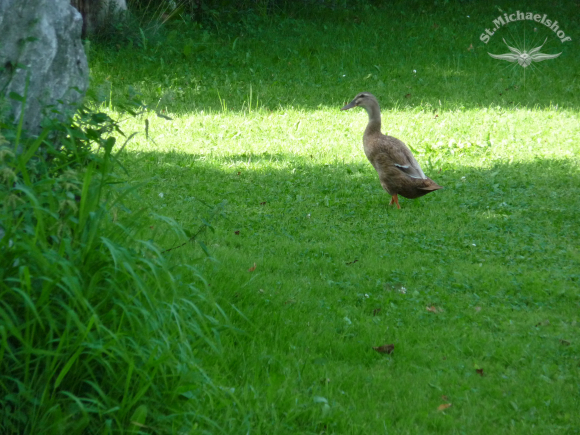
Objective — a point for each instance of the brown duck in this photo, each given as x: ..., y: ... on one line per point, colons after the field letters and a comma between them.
x: 399, y: 172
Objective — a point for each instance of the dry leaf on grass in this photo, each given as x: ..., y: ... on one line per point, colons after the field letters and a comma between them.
x: 479, y: 372
x: 544, y: 323
x: 565, y: 342
x: 434, y: 309
x: 376, y: 311
x: 251, y: 269
x: 443, y: 406
x: 385, y: 348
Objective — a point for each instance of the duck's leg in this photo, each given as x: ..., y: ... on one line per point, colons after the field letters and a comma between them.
x: 395, y: 200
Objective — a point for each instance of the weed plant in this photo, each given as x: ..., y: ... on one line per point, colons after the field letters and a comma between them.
x: 98, y: 332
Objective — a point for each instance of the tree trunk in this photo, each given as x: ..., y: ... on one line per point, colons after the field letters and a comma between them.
x: 96, y: 12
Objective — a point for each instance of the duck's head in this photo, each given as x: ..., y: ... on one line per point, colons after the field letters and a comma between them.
x: 364, y: 99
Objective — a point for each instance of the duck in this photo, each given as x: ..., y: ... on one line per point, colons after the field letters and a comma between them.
x: 399, y: 172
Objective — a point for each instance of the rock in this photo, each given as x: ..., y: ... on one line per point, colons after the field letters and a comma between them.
x: 41, y: 45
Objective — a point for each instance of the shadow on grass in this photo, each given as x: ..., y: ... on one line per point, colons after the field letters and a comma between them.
x: 418, y: 62
x: 519, y: 216
x: 306, y: 245
x: 439, y: 92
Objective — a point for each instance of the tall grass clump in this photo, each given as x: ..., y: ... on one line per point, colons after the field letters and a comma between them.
x: 98, y: 333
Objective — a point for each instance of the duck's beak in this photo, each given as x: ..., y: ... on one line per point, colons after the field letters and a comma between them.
x: 349, y: 105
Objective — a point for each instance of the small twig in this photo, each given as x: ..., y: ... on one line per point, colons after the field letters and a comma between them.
x: 191, y: 239
x: 202, y: 227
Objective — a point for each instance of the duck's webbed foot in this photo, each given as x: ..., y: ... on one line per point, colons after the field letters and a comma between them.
x: 395, y: 200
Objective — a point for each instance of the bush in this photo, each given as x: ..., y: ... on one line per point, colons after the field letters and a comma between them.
x: 98, y: 334
x: 144, y: 22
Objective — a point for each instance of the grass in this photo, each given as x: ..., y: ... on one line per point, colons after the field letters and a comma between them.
x: 477, y: 285
x: 99, y: 333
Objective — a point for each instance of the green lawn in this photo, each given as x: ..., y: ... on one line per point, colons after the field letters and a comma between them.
x: 476, y: 285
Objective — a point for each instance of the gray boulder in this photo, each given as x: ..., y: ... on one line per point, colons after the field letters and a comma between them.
x: 41, y: 55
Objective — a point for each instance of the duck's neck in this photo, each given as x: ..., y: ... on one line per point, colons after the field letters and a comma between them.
x: 374, y: 125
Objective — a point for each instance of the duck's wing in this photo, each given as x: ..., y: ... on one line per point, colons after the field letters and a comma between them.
x: 402, y: 158
x: 411, y: 171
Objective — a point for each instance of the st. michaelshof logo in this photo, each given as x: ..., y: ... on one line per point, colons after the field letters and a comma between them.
x: 525, y: 58
x: 519, y: 54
